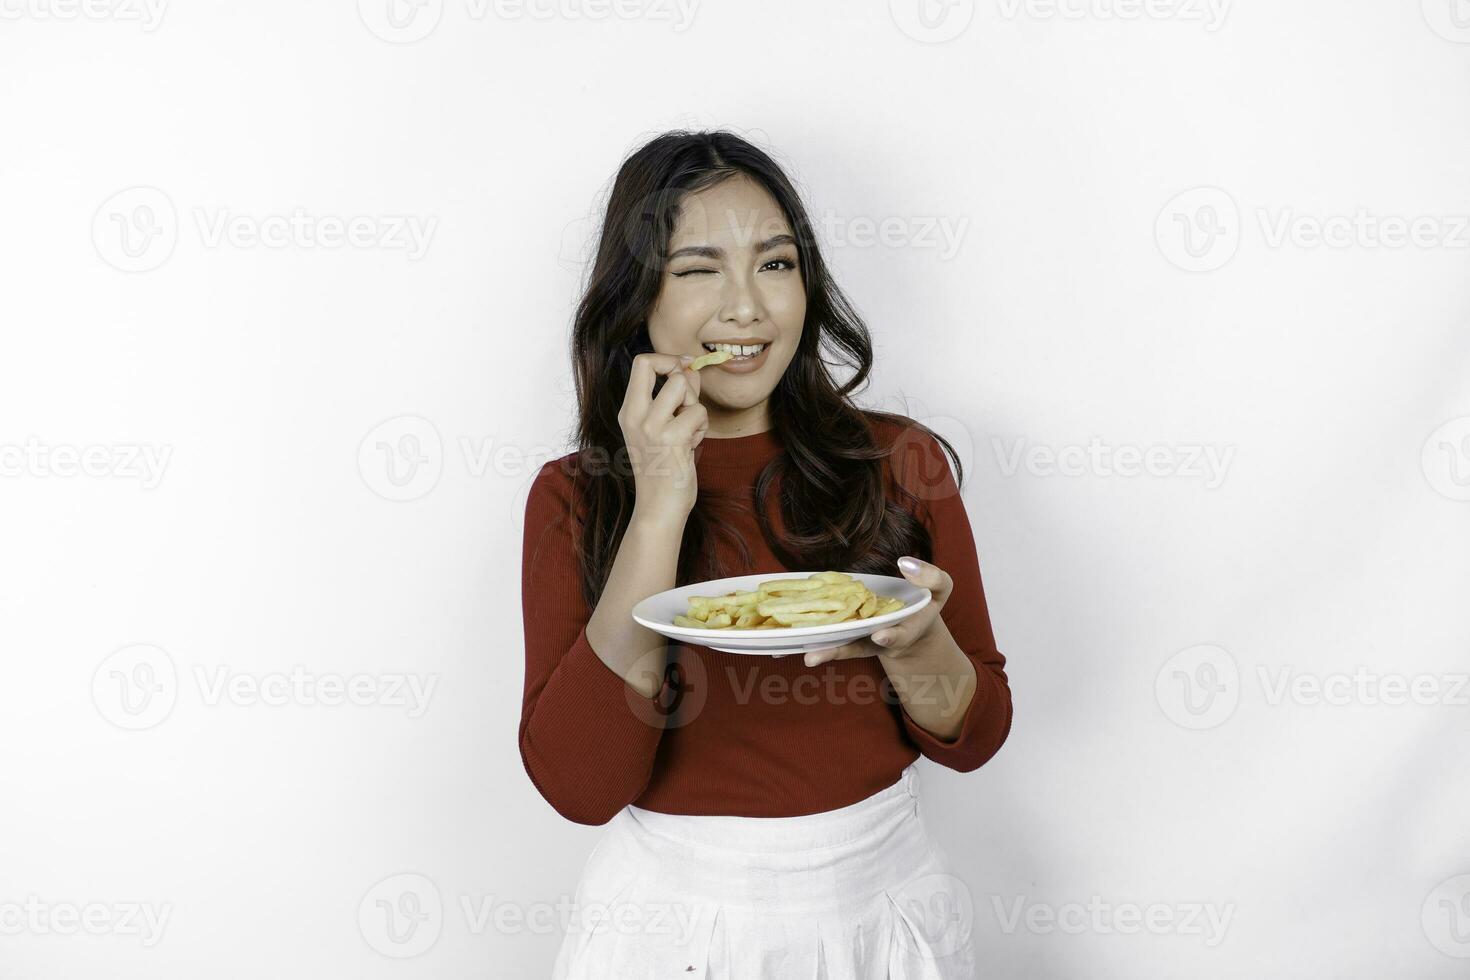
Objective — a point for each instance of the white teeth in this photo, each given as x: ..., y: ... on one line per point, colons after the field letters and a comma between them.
x: 739, y: 350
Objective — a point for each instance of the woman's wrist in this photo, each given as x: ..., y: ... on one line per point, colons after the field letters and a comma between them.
x: 658, y: 522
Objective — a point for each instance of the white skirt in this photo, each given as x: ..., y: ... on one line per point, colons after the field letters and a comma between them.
x: 858, y: 893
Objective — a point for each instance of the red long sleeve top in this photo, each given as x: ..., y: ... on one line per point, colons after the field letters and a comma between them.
x: 753, y: 735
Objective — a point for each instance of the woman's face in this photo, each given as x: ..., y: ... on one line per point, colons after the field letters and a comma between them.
x: 732, y: 282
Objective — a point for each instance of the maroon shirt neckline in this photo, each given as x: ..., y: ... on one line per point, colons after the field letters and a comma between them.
x: 737, y: 451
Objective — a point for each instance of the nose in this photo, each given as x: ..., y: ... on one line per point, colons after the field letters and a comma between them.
x: 741, y: 303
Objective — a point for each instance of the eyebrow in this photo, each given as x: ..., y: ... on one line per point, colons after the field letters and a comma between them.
x: 714, y: 252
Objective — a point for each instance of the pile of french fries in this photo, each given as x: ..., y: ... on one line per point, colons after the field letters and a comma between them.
x: 819, y: 599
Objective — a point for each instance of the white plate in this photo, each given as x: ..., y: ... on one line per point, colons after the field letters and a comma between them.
x: 658, y: 612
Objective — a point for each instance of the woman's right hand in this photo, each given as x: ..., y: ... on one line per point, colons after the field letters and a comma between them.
x: 661, y: 434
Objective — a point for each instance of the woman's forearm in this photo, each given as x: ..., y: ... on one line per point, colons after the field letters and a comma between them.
x: 935, y: 681
x: 646, y: 563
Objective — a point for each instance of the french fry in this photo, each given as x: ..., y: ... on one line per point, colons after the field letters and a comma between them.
x: 713, y: 357
x: 819, y: 599
x: 788, y: 607
x: 819, y: 618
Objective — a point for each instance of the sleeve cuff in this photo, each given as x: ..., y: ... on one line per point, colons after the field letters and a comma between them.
x: 959, y: 752
x: 591, y: 739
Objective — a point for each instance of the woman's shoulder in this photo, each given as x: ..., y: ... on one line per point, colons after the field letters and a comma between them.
x: 554, y: 483
x: 559, y: 481
x: 913, y: 454
x: 899, y: 434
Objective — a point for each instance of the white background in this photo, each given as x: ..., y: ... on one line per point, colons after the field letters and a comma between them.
x: 1157, y: 763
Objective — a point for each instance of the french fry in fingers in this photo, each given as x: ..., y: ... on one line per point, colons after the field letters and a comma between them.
x: 713, y: 357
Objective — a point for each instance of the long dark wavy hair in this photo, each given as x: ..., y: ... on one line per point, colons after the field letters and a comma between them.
x: 838, y: 509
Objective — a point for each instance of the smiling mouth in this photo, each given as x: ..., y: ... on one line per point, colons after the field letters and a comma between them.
x: 739, y: 352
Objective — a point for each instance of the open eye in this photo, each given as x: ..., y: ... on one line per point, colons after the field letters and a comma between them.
x: 779, y: 265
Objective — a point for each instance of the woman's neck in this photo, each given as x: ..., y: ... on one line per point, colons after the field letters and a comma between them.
x: 728, y: 424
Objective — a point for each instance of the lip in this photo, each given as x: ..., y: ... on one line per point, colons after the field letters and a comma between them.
x: 743, y: 365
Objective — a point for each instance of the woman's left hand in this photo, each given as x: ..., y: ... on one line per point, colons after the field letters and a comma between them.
x: 902, y: 638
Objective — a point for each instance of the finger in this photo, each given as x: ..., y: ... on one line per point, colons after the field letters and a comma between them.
x: 901, y: 635
x: 670, y: 398
x: 639, y: 396
x: 927, y: 576
x: 691, y: 386
x: 693, y: 378
x: 690, y: 422
x: 848, y: 651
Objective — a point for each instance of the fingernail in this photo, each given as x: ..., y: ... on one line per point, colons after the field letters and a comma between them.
x: 909, y: 566
x: 882, y: 639
x: 812, y: 659
x: 686, y: 358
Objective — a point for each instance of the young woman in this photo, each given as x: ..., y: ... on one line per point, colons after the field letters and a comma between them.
x: 763, y: 811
